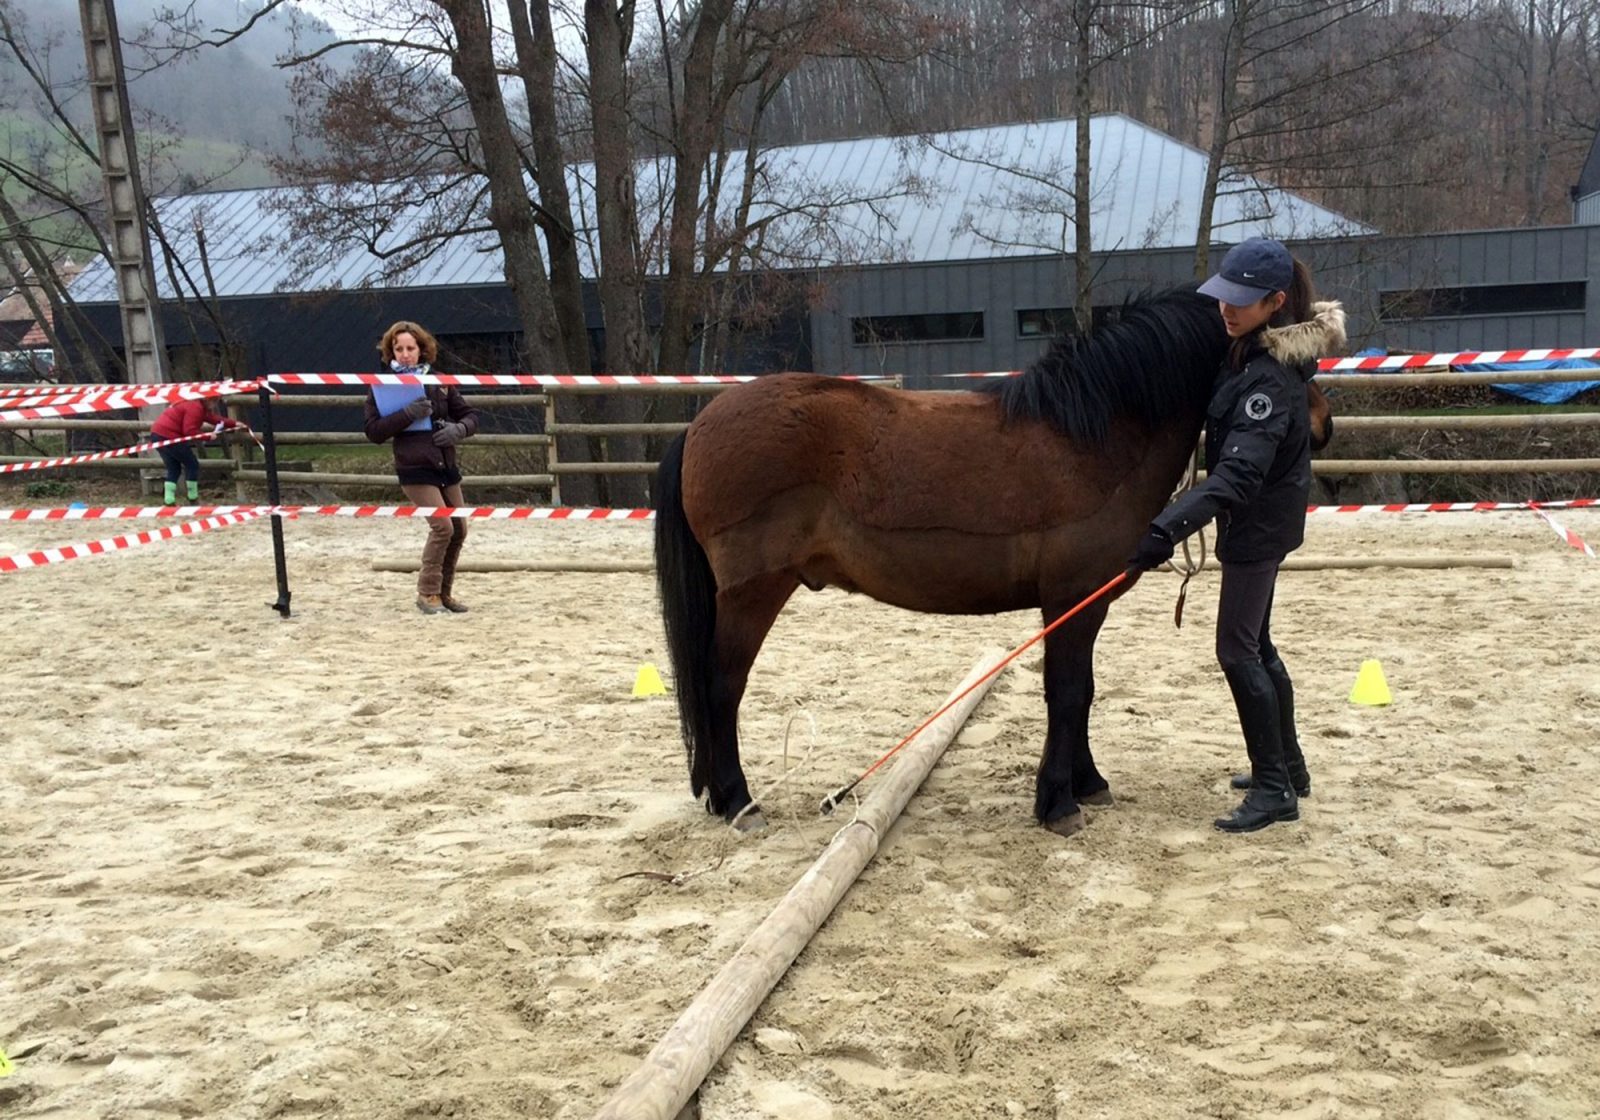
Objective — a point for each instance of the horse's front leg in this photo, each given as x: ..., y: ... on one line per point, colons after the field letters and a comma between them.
x: 1067, y: 774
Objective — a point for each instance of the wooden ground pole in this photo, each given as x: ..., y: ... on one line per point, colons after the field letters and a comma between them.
x: 664, y: 1083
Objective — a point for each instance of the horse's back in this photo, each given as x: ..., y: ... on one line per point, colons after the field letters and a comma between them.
x: 893, y: 458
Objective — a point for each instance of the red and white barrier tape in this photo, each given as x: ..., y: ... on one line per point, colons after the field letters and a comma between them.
x: 567, y: 380
x: 93, y: 456
x: 506, y: 380
x: 1458, y: 357
x: 40, y: 558
x: 563, y: 380
x: 216, y: 517
x: 1562, y: 531
x: 1455, y: 507
x: 151, y: 393
x: 82, y: 394
x: 13, y: 393
x: 492, y: 513
x: 125, y: 397
x: 573, y: 513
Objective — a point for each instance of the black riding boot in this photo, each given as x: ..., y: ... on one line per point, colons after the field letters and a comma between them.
x: 1271, y: 797
x: 1299, y: 776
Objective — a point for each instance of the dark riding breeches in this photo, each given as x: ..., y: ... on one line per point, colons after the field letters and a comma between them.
x: 1244, y: 612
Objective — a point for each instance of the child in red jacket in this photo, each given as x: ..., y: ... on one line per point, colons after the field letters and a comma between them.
x: 183, y: 420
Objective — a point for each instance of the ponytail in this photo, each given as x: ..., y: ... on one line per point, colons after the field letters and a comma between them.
x: 1301, y: 293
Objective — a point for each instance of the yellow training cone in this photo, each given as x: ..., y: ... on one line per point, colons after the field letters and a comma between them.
x: 647, y: 682
x: 1370, y: 687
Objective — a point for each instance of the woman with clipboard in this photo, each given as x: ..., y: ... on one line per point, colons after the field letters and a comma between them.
x: 425, y: 422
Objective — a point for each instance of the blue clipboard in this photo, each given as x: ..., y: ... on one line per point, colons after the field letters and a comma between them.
x: 392, y: 398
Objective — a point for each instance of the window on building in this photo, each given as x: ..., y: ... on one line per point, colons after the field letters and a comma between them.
x: 946, y: 326
x: 1045, y: 322
x: 1483, y: 299
x: 491, y: 352
x: 1048, y: 322
x: 206, y: 361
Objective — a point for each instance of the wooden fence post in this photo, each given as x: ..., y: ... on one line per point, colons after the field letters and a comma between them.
x: 551, y: 455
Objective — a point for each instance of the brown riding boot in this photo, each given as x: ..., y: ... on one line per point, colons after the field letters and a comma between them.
x: 447, y: 575
x: 450, y: 602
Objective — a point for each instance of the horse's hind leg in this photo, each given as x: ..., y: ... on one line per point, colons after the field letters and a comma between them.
x: 1067, y: 773
x: 744, y: 616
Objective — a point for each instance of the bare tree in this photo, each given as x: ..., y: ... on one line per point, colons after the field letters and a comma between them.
x: 1289, y: 76
x: 1536, y: 58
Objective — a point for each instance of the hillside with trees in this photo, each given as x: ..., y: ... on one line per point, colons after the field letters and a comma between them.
x: 224, y: 109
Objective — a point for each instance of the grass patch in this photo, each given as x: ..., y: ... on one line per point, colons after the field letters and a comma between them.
x: 52, y: 488
x: 1527, y: 408
x: 340, y: 460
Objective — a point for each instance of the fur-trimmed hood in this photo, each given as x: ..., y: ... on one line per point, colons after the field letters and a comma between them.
x: 1300, y: 343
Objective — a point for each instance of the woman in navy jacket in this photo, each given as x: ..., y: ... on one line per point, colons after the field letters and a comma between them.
x: 1258, y: 481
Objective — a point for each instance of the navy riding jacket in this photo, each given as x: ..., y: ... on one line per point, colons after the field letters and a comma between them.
x: 1258, y: 464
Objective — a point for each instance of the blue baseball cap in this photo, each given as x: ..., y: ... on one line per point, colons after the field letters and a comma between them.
x: 1251, y: 270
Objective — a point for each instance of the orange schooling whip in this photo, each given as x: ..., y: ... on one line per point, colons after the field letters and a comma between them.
x: 831, y: 802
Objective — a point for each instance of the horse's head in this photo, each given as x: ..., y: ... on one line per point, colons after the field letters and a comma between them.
x: 1321, y: 416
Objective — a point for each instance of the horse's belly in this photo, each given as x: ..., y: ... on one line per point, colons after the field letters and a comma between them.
x: 937, y: 571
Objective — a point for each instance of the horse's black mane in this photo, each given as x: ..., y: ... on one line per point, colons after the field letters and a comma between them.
x: 1156, y: 357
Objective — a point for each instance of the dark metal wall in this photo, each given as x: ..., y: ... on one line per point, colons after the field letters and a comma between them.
x: 1354, y: 270
x: 338, y: 331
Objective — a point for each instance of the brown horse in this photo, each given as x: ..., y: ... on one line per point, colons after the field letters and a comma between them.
x: 1031, y: 493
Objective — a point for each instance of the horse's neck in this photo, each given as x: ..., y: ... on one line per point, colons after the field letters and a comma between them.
x: 1171, y: 449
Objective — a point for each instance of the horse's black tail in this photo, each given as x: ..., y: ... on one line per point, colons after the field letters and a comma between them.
x: 688, y: 592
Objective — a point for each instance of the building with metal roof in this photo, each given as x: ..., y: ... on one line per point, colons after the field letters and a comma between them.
x: 975, y: 194
x: 915, y: 255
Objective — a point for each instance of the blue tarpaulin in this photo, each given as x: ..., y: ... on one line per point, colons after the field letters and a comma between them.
x: 1544, y: 392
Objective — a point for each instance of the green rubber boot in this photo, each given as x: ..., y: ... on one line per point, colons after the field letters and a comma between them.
x: 169, y: 493
x: 194, y: 492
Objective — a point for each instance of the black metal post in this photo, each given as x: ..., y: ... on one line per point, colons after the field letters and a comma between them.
x: 282, y: 565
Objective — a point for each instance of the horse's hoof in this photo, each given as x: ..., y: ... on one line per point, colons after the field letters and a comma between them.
x: 752, y: 821
x: 1067, y: 825
x: 1100, y: 797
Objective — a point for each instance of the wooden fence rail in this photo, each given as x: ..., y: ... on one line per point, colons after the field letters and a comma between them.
x: 243, y: 462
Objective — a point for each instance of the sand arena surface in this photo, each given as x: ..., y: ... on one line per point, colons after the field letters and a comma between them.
x: 365, y: 863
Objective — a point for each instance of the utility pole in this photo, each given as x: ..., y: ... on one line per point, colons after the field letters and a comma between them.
x: 142, y: 342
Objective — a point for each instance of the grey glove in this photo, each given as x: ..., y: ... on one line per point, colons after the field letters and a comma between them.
x: 449, y: 434
x: 419, y: 408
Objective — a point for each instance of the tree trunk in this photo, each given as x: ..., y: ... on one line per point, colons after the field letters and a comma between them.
x: 608, y: 31
x: 44, y: 274
x: 1082, y: 244
x: 536, y: 62
x: 474, y: 67
x: 1221, y: 130
x: 696, y: 134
